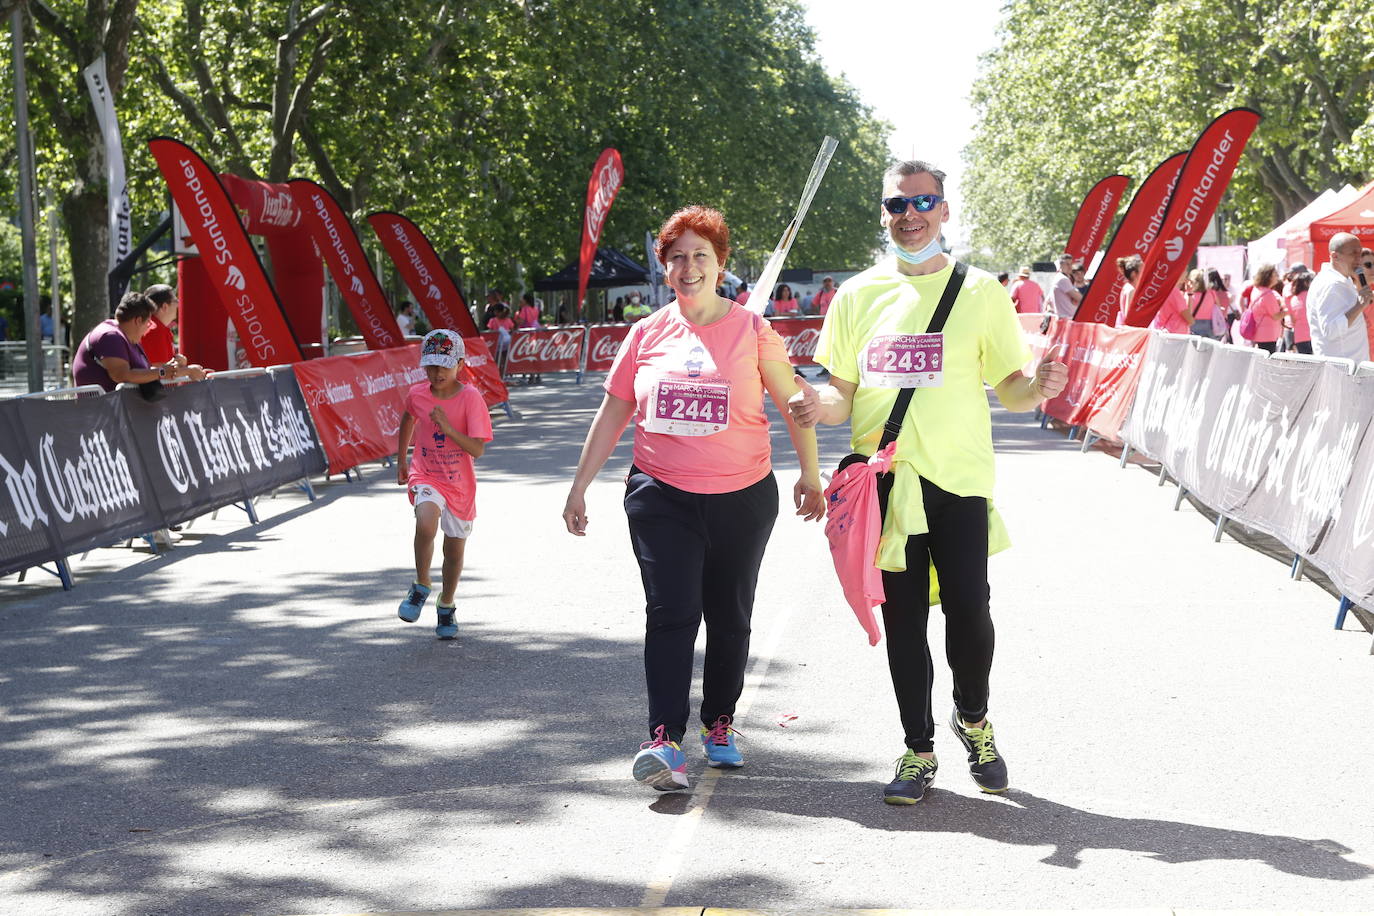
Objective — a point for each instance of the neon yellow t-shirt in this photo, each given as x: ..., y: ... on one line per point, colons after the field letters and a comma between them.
x: 946, y: 435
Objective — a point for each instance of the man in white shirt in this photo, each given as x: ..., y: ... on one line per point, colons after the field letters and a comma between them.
x: 1335, y: 307
x: 1063, y: 298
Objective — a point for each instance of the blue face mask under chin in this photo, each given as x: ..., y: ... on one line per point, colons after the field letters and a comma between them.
x: 920, y: 257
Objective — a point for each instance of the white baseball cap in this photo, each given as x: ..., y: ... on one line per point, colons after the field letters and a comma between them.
x: 442, y: 348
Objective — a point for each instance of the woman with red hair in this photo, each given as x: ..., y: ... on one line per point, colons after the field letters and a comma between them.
x: 700, y: 496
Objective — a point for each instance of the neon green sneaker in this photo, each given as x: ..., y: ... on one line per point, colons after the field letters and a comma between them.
x: 985, y: 765
x: 914, y: 775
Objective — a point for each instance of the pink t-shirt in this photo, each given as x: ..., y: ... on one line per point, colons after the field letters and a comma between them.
x: 1266, y: 306
x: 687, y: 378
x: 821, y: 301
x: 527, y: 317
x: 437, y: 461
x: 1170, y: 315
x: 497, y: 324
x: 1124, y: 306
x: 1028, y: 296
x: 1297, y: 311
x: 785, y: 306
x: 742, y: 296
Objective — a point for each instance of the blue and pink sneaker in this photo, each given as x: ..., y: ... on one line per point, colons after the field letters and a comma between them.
x: 660, y: 763
x: 718, y: 742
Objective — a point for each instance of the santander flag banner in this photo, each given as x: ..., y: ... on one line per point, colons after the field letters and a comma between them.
x: 227, y: 254
x: 1203, y: 181
x: 607, y: 177
x: 343, y: 253
x: 1095, y: 217
x: 410, y: 250
x: 1137, y: 232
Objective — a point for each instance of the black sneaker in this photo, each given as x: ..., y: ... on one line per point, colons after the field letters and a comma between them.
x: 985, y: 765
x: 914, y: 775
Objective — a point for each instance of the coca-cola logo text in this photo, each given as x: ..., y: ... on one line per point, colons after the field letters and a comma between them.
x: 607, y: 184
x: 546, y: 347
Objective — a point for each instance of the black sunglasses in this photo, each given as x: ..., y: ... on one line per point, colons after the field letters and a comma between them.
x: 923, y: 203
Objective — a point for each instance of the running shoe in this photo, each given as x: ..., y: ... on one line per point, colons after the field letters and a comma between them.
x: 414, y: 602
x: 718, y: 743
x: 985, y: 765
x: 660, y: 763
x: 914, y: 775
x: 446, y: 628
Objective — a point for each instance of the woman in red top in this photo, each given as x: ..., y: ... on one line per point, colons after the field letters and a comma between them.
x: 700, y: 496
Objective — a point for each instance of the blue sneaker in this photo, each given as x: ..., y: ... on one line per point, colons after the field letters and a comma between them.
x: 414, y: 602
x: 446, y: 628
x: 660, y: 763
x: 718, y: 742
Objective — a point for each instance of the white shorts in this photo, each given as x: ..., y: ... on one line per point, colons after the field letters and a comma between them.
x: 450, y: 524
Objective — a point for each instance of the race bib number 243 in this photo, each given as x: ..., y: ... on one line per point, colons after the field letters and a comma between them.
x: 904, y: 361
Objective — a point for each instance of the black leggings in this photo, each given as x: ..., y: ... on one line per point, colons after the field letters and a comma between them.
x: 1269, y: 346
x: 699, y: 556
x: 957, y: 542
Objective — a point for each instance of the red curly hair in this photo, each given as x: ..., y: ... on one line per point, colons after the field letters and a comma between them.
x: 705, y: 222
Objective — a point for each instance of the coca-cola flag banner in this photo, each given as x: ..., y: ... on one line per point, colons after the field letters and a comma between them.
x: 607, y: 177
x: 429, y: 281
x: 353, y: 275
x: 1274, y: 443
x: 1204, y: 179
x: 1135, y: 235
x: 227, y: 254
x: 1095, y: 217
x: 799, y: 336
x: 603, y: 343
x: 537, y: 350
x: 263, y: 207
x: 1104, y: 369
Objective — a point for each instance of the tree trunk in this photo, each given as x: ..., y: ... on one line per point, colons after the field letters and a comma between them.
x: 84, y: 212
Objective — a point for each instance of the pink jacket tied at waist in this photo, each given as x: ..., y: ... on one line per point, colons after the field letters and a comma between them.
x: 854, y: 526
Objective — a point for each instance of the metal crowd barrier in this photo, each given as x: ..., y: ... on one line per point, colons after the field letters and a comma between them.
x: 1349, y: 366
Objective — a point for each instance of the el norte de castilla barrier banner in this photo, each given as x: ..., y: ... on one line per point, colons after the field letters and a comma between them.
x: 1282, y: 445
x: 85, y: 473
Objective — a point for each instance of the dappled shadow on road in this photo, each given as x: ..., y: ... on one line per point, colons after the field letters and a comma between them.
x: 148, y: 747
x: 1024, y: 819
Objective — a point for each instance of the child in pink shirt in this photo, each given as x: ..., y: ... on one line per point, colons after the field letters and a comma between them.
x: 450, y: 426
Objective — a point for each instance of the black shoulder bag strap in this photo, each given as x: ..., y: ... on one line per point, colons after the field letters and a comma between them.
x: 893, y: 426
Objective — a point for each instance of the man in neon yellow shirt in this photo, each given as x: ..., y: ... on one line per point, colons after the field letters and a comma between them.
x: 939, y: 514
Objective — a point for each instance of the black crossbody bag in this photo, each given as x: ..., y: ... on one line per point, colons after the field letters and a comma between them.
x: 893, y: 426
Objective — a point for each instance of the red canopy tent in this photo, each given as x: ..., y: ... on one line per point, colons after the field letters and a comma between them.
x: 1309, y: 244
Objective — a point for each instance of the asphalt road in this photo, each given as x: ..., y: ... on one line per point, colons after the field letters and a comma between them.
x: 243, y: 725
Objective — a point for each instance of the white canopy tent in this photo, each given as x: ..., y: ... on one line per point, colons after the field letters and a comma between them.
x: 1272, y: 247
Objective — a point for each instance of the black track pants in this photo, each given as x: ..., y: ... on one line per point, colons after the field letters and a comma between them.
x: 699, y: 556
x: 957, y: 542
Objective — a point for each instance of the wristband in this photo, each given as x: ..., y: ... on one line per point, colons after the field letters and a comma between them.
x: 161, y: 371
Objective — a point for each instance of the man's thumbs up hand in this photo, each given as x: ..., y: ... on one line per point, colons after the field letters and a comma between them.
x: 805, y: 405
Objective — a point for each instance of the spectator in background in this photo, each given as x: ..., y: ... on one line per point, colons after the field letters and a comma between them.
x: 158, y: 343
x: 821, y: 301
x: 1026, y: 293
x: 405, y: 318
x: 495, y: 301
x: 742, y: 294
x: 1297, y: 311
x: 1225, y: 311
x: 1174, y: 316
x: 806, y: 304
x: 1200, y: 303
x: 1080, y: 279
x: 563, y: 314
x: 784, y: 301
x: 111, y: 353
x: 1003, y: 277
x: 528, y: 315
x: 636, y: 309
x: 1130, y: 270
x: 1335, y: 305
x: 45, y: 329
x: 1064, y: 298
x: 1267, y: 308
